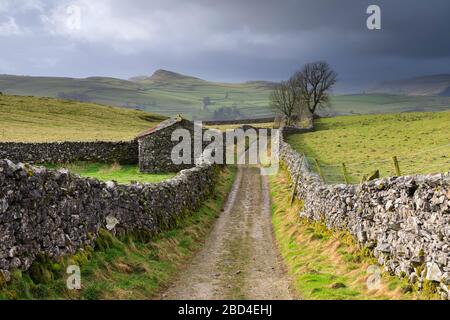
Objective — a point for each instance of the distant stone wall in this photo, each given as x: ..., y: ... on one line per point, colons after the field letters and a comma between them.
x: 287, y: 130
x: 405, y: 220
x: 56, y: 213
x: 240, y: 121
x: 63, y: 152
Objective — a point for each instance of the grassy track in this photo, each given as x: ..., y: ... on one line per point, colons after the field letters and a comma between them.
x: 324, y: 264
x: 123, y: 268
x: 30, y: 119
x: 421, y: 141
x: 120, y: 173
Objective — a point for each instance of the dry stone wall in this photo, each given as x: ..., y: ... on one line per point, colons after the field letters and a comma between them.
x: 241, y: 121
x: 155, y: 149
x: 125, y: 152
x: 56, y: 213
x: 405, y: 220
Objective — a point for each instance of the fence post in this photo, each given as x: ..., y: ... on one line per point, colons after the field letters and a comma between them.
x: 319, y: 170
x: 294, y: 191
x: 397, y: 167
x: 345, y: 174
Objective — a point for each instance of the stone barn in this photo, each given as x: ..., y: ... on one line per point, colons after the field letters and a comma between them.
x: 155, y: 146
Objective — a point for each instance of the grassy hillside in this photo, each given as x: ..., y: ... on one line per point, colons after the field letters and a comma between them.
x: 385, y: 103
x: 31, y: 119
x: 438, y: 84
x: 421, y: 141
x: 171, y: 93
x: 164, y: 93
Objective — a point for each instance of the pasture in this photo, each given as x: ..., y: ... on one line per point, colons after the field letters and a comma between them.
x: 31, y: 119
x: 421, y: 142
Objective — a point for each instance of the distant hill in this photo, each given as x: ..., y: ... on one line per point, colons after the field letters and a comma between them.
x: 164, y: 76
x: 170, y: 93
x: 385, y: 103
x: 164, y: 92
x: 434, y: 85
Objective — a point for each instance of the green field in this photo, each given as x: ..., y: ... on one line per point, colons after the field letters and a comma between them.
x: 385, y: 103
x: 170, y: 94
x: 421, y: 141
x: 123, y: 174
x: 30, y: 119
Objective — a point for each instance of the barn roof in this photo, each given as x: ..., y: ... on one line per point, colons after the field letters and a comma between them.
x: 162, y: 125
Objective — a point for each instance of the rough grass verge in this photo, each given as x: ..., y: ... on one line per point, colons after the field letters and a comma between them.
x: 127, y: 267
x: 326, y: 264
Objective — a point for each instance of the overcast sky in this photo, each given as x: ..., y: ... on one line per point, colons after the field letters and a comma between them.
x: 224, y: 40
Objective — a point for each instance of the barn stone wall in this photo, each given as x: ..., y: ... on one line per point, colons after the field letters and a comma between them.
x: 155, y: 149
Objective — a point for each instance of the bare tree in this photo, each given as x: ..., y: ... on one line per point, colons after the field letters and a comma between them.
x: 314, y: 82
x: 284, y: 99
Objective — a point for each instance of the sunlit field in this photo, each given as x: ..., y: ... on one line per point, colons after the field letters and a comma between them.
x: 124, y: 174
x: 30, y: 119
x: 420, y: 141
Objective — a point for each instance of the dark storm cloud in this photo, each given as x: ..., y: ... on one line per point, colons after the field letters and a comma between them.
x: 225, y: 40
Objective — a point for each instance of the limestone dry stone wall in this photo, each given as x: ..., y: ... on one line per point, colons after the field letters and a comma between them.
x: 54, y: 212
x: 155, y: 147
x: 405, y: 220
x: 125, y: 152
x: 240, y: 121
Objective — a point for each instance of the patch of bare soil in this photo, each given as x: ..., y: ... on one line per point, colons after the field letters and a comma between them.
x: 240, y: 259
